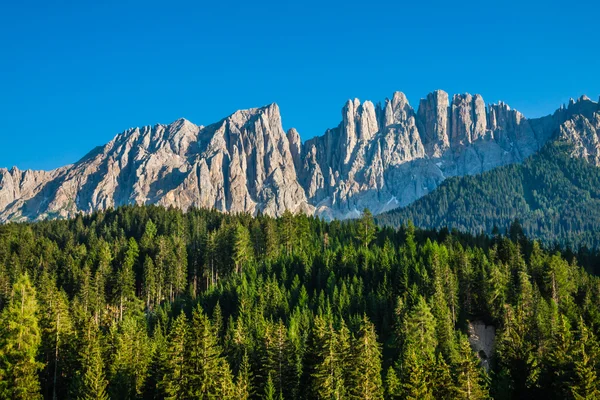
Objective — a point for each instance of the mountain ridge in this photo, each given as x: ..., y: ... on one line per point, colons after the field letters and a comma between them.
x: 554, y: 196
x: 380, y: 157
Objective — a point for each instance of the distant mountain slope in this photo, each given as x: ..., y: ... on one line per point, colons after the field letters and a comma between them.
x: 555, y: 195
x: 380, y: 156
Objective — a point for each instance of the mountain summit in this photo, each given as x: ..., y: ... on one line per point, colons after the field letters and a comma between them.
x: 380, y: 156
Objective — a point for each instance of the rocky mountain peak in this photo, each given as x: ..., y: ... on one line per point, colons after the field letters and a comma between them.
x: 397, y: 110
x: 433, y: 121
x: 379, y: 157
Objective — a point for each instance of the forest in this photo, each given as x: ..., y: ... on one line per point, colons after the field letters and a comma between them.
x: 556, y: 198
x: 153, y: 303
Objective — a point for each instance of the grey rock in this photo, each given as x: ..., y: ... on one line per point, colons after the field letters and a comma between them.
x: 378, y: 157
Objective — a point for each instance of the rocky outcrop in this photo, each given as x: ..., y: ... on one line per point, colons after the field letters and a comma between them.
x: 433, y: 119
x: 244, y: 163
x: 482, y: 338
x: 379, y: 157
x: 584, y: 134
x: 352, y: 166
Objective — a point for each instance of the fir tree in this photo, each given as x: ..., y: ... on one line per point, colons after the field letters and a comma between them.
x: 242, y: 247
x: 207, y: 373
x: 174, y: 380
x: 393, y: 387
x: 93, y: 383
x: 585, y: 384
x: 328, y: 376
x: 243, y: 383
x: 269, y: 389
x: 366, y: 377
x: 366, y: 228
x: 470, y: 384
x: 20, y: 338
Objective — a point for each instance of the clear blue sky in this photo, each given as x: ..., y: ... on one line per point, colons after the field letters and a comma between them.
x: 75, y: 73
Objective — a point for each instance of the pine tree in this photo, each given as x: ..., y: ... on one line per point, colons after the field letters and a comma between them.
x: 243, y: 384
x: 416, y: 382
x: 271, y: 238
x: 559, y: 358
x: 393, y: 387
x: 207, y: 373
x: 126, y: 277
x: 328, y: 376
x: 130, y: 359
x: 242, y: 247
x: 269, y: 389
x: 420, y: 331
x: 153, y: 388
x: 585, y: 384
x: 366, y: 228
x: 20, y: 338
x: 149, y: 287
x: 93, y: 383
x: 366, y: 377
x: 443, y: 385
x: 58, y: 336
x: 174, y: 379
x: 469, y: 380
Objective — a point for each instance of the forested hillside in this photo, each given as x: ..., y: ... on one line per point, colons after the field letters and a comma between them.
x: 555, y: 197
x: 152, y: 303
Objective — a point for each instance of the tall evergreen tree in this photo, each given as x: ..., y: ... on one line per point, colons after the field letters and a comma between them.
x: 174, y: 379
x: 20, y: 338
x: 93, y: 380
x: 242, y: 247
x: 328, y: 376
x: 207, y: 372
x: 366, y: 228
x: 470, y: 384
x: 366, y: 380
x: 243, y: 383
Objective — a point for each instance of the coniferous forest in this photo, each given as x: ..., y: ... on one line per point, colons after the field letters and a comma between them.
x: 153, y: 303
x: 556, y: 198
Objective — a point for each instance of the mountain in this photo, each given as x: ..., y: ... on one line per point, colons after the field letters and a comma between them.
x: 380, y: 156
x: 555, y: 194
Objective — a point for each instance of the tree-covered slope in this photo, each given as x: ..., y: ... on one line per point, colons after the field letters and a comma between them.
x: 152, y: 303
x: 556, y: 198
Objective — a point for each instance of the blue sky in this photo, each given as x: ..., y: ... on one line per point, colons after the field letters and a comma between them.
x: 75, y: 73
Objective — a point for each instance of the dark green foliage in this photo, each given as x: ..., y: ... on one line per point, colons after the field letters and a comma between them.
x: 92, y: 382
x: 555, y: 197
x: 153, y: 303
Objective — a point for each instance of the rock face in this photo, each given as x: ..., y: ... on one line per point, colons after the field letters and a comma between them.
x: 482, y: 338
x: 379, y: 156
x: 584, y: 133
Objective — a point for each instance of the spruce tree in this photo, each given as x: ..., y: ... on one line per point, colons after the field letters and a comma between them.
x: 420, y: 331
x: 153, y: 384
x: 366, y: 380
x: 20, y: 338
x: 207, y: 373
x: 585, y: 383
x: 366, y: 229
x: 393, y: 387
x: 328, y: 376
x: 470, y: 384
x: 131, y: 356
x: 243, y: 383
x: 93, y: 381
x: 269, y: 393
x: 416, y: 378
x: 174, y: 380
x: 242, y: 247
x: 443, y: 384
